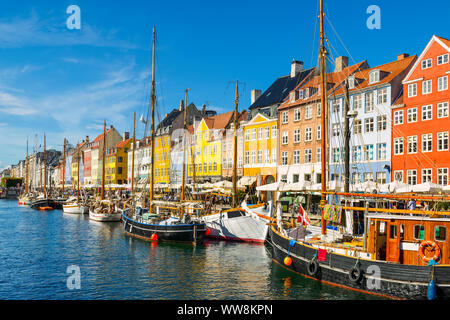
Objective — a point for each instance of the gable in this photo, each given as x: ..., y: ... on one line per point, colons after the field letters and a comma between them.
x: 258, y: 119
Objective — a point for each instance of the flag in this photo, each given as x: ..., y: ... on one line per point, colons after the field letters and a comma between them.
x: 142, y: 119
x: 302, y: 216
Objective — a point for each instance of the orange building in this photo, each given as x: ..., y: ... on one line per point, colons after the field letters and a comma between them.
x: 421, y: 124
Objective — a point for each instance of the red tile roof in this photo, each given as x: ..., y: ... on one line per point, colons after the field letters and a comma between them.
x: 122, y: 143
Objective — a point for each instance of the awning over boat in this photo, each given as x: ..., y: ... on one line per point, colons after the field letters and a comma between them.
x: 276, y: 186
x: 426, y: 187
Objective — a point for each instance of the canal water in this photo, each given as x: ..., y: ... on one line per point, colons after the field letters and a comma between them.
x: 39, y: 252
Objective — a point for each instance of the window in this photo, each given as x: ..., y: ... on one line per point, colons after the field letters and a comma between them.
x: 336, y: 154
x: 369, y: 125
x: 284, y: 178
x: 308, y: 134
x: 297, y: 114
x: 319, y: 133
x: 356, y: 178
x: 296, y: 135
x: 398, y: 175
x: 442, y: 176
x: 382, y: 96
x: 374, y: 76
x: 427, y: 142
x: 336, y: 105
x: 335, y: 130
x: 267, y: 132
x: 442, y: 110
x: 442, y: 59
x: 295, y: 178
x: 412, y: 144
x: 284, y: 158
x: 308, y: 111
x: 440, y: 233
x: 308, y: 155
x: 357, y: 101
x: 419, y: 232
x: 411, y: 177
x: 260, y: 156
x: 357, y: 126
x: 398, y: 117
x: 296, y: 156
x: 254, y: 134
x: 427, y: 112
x: 393, y: 231
x: 307, y: 177
x: 267, y: 156
x: 215, y: 166
x: 368, y: 176
x: 426, y: 175
x: 412, y: 90
x: 205, y: 167
x: 369, y: 102
x: 381, y: 151
x: 260, y: 133
x: 319, y: 109
x: 442, y: 83
x: 318, y: 154
x: 381, y: 177
x: 285, y: 137
x: 285, y: 117
x: 253, y: 154
x: 368, y: 149
x: 247, y: 157
x: 274, y: 155
x: 210, y: 167
x: 381, y: 122
x: 274, y: 132
x: 356, y: 153
x: 351, y: 82
x: 442, y: 141
x: 426, y: 87
x: 427, y: 63
x: 412, y: 115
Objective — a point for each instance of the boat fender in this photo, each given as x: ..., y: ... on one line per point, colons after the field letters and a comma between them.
x: 432, y: 290
x: 287, y: 261
x: 313, y: 266
x: 355, y: 273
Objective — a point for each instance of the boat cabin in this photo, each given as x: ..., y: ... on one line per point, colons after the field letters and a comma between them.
x: 411, y: 240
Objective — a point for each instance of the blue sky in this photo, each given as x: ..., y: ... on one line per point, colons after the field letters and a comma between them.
x: 65, y: 82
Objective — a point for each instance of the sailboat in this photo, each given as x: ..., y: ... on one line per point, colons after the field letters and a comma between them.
x: 249, y: 224
x: 402, y: 254
x: 104, y: 210
x: 25, y: 198
x: 151, y: 226
x: 43, y: 202
x: 74, y: 205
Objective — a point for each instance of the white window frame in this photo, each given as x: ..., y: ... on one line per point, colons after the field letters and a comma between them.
x: 399, y: 146
x: 444, y: 59
x: 442, y: 110
x: 285, y: 137
x: 411, y: 115
x: 412, y: 90
x: 443, y: 83
x: 442, y: 141
x: 411, y: 141
x: 426, y: 63
x: 297, y: 115
x: 398, y: 117
x: 427, y: 87
x: 427, y: 112
x: 308, y: 134
x: 285, y: 117
x: 427, y: 142
x: 426, y: 173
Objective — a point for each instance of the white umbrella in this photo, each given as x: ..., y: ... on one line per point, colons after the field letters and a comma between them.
x: 246, y: 181
x: 276, y: 186
x: 298, y: 186
x: 391, y: 186
x: 223, y: 184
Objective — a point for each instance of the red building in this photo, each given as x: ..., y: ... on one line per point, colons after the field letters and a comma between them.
x: 421, y: 122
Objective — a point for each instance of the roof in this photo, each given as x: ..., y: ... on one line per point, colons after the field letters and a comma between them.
x: 168, y: 120
x: 122, y: 143
x: 219, y: 121
x: 280, y: 89
x: 444, y: 40
x: 392, y: 70
x: 333, y: 78
x: 100, y: 137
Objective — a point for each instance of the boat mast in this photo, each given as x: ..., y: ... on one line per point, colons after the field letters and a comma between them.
x: 324, y: 104
x: 103, y: 162
x: 185, y: 135
x: 152, y: 128
x: 78, y: 177
x: 64, y: 167
x: 45, y: 168
x: 346, y: 140
x: 132, y: 156
x: 193, y: 155
x: 26, y: 172
x: 236, y: 102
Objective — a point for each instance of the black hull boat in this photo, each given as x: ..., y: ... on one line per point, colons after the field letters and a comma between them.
x: 389, y: 280
x: 45, y: 204
x: 190, y: 232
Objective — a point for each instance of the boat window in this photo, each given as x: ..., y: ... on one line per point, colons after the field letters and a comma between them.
x: 402, y: 231
x: 234, y: 214
x: 419, y: 232
x: 440, y: 233
x: 393, y: 231
x: 382, y: 229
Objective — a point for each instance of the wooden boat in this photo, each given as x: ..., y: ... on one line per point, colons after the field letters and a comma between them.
x: 156, y: 227
x: 104, y: 212
x: 402, y: 253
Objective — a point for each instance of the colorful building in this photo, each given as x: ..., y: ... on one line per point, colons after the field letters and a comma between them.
x: 117, y: 162
x: 421, y: 122
x: 228, y: 147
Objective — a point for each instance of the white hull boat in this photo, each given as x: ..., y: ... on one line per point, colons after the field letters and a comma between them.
x: 106, y: 212
x: 248, y: 224
x: 75, y: 208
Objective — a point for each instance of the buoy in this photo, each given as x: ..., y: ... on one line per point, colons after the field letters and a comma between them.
x: 432, y: 290
x: 45, y: 208
x: 208, y: 232
x: 288, y: 261
x: 154, y: 237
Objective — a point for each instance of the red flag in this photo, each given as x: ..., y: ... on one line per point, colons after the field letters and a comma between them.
x: 303, y: 217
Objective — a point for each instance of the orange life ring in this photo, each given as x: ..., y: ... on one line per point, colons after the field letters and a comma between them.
x: 435, y: 248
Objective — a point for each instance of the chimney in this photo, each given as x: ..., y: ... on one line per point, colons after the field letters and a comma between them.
x: 255, y: 94
x: 340, y: 63
x: 126, y: 135
x: 204, y: 109
x: 296, y: 67
x: 87, y: 139
x: 181, y: 105
x: 402, y: 56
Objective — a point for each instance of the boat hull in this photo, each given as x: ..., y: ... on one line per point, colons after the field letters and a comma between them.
x: 105, y: 217
x: 378, y: 277
x: 72, y: 208
x: 44, y: 203
x: 192, y: 233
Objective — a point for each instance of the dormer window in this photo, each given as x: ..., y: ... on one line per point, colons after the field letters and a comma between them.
x: 351, y: 82
x: 306, y: 94
x: 300, y: 94
x: 374, y: 76
x: 427, y: 63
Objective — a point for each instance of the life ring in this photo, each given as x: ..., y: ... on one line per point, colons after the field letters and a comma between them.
x: 355, y: 274
x: 313, y: 266
x: 435, y: 248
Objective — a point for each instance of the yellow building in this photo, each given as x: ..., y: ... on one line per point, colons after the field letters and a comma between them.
x: 116, y: 164
x: 260, y: 148
x: 206, y: 148
x: 162, y: 159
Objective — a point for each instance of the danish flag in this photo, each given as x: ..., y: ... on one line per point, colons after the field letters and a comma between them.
x: 303, y: 217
